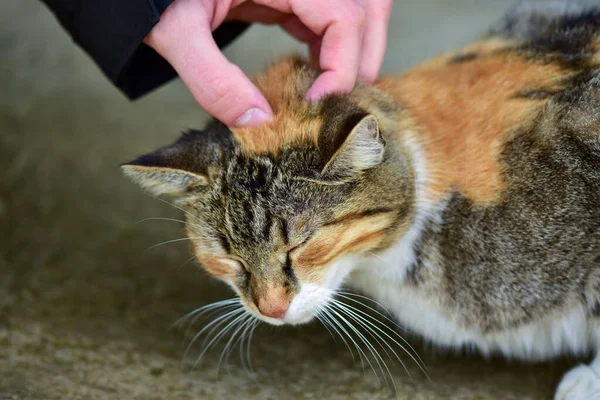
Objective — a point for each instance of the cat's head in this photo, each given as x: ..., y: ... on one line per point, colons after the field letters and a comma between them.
x: 284, y: 212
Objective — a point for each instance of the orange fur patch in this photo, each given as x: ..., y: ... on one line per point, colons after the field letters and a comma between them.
x: 466, y: 111
x: 221, y: 268
x: 284, y: 85
x: 330, y: 242
x: 595, y: 61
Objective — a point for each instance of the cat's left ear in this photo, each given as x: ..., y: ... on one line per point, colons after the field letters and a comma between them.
x: 362, y: 149
x: 184, y: 166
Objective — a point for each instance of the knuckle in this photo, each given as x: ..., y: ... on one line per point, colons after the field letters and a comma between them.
x: 215, y: 95
x: 221, y: 84
x: 215, y: 88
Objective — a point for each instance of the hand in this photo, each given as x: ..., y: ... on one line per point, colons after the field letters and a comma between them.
x: 347, y: 37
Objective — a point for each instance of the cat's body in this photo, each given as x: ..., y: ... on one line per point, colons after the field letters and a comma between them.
x: 464, y: 196
x: 507, y: 254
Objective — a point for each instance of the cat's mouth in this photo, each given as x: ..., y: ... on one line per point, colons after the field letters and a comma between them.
x: 303, y: 308
x: 307, y: 304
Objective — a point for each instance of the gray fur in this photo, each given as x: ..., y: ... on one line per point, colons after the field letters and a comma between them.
x: 508, y: 264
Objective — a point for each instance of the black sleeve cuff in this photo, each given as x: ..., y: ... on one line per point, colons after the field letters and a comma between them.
x: 146, y: 70
x: 112, y: 33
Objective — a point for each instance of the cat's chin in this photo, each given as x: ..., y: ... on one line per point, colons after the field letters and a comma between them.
x: 298, y: 321
x: 303, y: 308
x: 306, y: 304
x: 271, y: 321
x: 286, y: 320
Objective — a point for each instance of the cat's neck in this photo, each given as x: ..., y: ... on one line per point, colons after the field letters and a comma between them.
x: 395, y: 263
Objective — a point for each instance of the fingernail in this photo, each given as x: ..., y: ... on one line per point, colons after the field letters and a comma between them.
x: 252, y: 117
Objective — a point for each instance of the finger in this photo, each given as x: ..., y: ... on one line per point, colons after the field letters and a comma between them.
x: 220, y: 87
x: 340, y: 23
x: 184, y: 38
x: 298, y: 30
x: 374, y: 39
x: 251, y: 12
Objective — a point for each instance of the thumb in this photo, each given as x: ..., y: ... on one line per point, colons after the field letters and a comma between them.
x: 184, y: 39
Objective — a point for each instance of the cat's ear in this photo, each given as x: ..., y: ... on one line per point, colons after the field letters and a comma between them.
x: 362, y: 149
x: 163, y: 180
x: 184, y: 166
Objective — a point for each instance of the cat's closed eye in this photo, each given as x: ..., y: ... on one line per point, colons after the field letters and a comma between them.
x: 222, y: 267
x: 348, y: 235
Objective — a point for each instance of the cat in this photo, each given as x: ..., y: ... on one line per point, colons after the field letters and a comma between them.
x: 464, y: 195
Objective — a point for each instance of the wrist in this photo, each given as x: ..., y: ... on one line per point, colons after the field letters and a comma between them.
x: 157, y: 37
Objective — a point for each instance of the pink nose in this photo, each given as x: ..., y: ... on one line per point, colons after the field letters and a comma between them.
x: 273, y: 310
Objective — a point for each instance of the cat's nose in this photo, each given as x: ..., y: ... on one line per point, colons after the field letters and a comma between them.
x: 273, y: 310
x: 274, y: 302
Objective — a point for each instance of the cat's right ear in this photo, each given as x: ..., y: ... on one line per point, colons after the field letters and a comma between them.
x: 362, y: 149
x: 184, y: 166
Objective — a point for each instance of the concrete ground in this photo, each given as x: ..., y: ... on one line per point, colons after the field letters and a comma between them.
x: 85, y: 310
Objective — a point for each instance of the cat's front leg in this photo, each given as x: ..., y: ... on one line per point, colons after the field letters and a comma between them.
x: 583, y: 381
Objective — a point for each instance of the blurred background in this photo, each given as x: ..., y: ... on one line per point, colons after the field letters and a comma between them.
x: 86, y: 308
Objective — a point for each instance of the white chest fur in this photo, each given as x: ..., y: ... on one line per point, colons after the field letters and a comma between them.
x: 382, y: 279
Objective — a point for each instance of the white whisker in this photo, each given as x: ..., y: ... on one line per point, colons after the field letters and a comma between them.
x: 380, y: 362
x: 206, y: 307
x: 225, y: 351
x: 249, y: 325
x: 172, y: 241
x: 375, y: 335
x: 348, y: 296
x: 209, y: 312
x: 331, y: 318
x: 325, y: 325
x: 359, y: 314
x: 353, y: 341
x: 167, y: 219
x: 249, y: 342
x: 318, y: 314
x: 219, y: 336
x: 210, y: 333
x: 186, y: 261
x: 324, y: 316
x: 219, y: 321
x: 177, y: 207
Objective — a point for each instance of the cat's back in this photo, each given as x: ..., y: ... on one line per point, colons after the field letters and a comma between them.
x: 510, y: 129
x: 469, y: 105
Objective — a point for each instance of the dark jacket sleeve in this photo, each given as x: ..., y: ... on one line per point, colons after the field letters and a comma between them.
x: 112, y: 33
